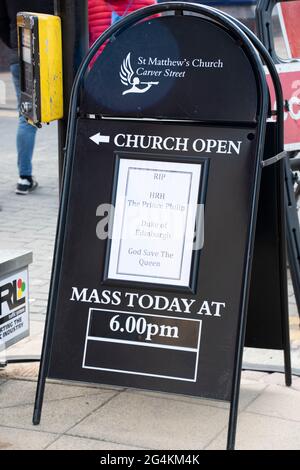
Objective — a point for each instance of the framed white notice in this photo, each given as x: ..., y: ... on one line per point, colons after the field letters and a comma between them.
x: 154, y: 221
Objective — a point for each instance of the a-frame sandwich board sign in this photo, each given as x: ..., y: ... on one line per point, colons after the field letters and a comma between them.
x: 151, y: 274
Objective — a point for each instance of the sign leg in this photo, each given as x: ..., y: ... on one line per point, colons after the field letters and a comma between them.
x: 293, y: 245
x: 287, y: 359
x: 234, y: 404
x: 293, y: 235
x: 44, y: 365
x: 39, y: 397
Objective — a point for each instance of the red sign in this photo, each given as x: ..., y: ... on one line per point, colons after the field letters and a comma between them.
x: 290, y: 17
x: 290, y: 81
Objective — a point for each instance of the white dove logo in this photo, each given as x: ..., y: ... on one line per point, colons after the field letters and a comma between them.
x: 128, y: 79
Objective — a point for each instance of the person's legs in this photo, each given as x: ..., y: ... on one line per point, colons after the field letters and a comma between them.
x: 25, y: 140
x: 25, y: 145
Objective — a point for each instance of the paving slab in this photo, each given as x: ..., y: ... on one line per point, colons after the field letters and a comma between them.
x: 76, y: 443
x: 278, y: 379
x: 26, y: 371
x: 249, y: 391
x: 257, y: 432
x: 21, y: 392
x: 181, y: 398
x: 253, y: 375
x: 21, y: 439
x: 296, y: 383
x: 277, y: 401
x: 157, y: 423
x: 58, y: 416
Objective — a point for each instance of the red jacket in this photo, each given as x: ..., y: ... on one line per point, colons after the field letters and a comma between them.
x: 102, y: 11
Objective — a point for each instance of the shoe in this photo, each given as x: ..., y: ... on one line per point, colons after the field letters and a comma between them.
x: 26, y: 186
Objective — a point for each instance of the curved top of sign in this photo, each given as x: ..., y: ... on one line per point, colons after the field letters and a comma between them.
x: 183, y: 67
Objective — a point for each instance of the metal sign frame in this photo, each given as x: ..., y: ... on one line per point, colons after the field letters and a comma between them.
x: 264, y: 24
x: 290, y: 230
x: 251, y: 45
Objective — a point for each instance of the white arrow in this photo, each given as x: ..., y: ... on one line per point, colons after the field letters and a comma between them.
x: 100, y: 139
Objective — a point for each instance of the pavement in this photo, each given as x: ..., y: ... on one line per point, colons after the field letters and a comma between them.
x: 78, y: 416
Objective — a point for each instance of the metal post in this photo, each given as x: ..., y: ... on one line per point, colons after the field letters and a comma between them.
x: 74, y: 17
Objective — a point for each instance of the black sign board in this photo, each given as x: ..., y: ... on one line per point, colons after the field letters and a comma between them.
x: 89, y: 299
x: 156, y: 232
x: 154, y: 69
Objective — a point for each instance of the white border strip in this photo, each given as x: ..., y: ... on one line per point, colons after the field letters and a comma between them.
x: 87, y: 338
x: 142, y: 373
x: 137, y: 343
x: 288, y: 67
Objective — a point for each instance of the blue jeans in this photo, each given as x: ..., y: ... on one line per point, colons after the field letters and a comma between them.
x: 26, y: 132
